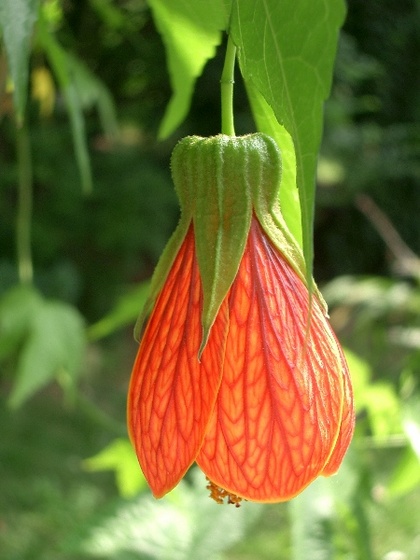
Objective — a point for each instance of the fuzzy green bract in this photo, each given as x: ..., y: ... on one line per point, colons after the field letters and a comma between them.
x: 220, y: 182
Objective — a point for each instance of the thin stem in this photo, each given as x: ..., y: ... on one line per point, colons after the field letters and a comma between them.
x: 226, y: 87
x: 24, y: 211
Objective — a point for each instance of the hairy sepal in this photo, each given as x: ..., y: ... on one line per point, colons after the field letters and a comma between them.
x: 220, y: 182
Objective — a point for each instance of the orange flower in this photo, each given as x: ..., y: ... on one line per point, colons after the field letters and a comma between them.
x: 264, y: 404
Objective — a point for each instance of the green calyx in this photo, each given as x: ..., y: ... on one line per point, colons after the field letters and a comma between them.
x: 221, y: 181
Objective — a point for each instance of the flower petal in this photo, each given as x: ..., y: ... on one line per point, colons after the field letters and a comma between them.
x: 346, y: 428
x: 172, y: 394
x: 280, y: 404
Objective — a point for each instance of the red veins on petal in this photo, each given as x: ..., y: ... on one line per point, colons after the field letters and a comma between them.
x: 172, y: 394
x: 347, y: 425
x: 283, y: 412
x: 269, y: 406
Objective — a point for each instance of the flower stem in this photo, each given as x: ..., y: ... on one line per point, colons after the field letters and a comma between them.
x: 226, y: 86
x: 24, y: 212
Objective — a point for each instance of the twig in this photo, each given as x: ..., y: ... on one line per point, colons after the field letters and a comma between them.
x: 407, y: 262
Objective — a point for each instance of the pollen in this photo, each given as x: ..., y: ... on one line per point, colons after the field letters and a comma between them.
x: 219, y: 494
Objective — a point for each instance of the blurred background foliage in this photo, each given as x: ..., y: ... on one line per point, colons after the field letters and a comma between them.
x: 103, y: 208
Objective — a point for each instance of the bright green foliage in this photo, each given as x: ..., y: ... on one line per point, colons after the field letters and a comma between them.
x: 378, y: 399
x: 407, y: 474
x: 287, y: 51
x: 119, y: 456
x: 191, y: 32
x: 289, y: 194
x: 17, y: 18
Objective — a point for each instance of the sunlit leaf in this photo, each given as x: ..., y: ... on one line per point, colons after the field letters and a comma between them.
x: 55, y: 345
x: 17, y: 18
x: 411, y: 424
x: 287, y: 50
x: 184, y: 525
x: 119, y: 456
x: 378, y: 398
x: 361, y: 374
x: 384, y: 410
x: 191, y: 32
x: 406, y: 475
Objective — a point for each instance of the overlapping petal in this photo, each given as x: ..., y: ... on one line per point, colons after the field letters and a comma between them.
x: 284, y: 396
x: 172, y: 394
x: 267, y: 407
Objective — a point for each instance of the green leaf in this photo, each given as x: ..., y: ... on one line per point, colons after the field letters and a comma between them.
x: 379, y: 399
x: 184, y: 525
x: 119, y: 456
x: 55, y: 345
x: 125, y: 312
x: 191, y: 31
x: 406, y: 475
x: 287, y: 49
x: 289, y: 194
x: 361, y: 374
x: 17, y: 18
x: 384, y: 410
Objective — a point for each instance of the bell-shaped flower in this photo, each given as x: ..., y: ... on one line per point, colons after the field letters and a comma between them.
x: 238, y: 368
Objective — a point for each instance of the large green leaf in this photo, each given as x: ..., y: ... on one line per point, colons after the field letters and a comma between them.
x: 287, y: 49
x: 55, y: 345
x: 17, y: 18
x: 289, y: 194
x: 407, y: 474
x: 191, y: 32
